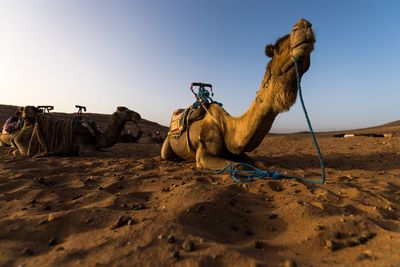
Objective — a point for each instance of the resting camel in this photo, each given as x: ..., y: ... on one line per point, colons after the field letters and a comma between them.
x: 44, y: 135
x: 219, y: 138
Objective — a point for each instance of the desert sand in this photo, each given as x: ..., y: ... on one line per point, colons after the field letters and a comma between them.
x: 127, y: 207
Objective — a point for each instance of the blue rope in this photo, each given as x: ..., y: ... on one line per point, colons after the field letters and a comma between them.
x: 251, y: 173
x: 248, y: 175
x: 203, y: 96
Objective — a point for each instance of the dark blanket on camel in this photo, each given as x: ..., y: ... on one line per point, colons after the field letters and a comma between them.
x: 51, y: 136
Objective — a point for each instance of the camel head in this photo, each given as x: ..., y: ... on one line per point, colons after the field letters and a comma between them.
x: 297, y: 45
x: 126, y: 114
x: 30, y: 113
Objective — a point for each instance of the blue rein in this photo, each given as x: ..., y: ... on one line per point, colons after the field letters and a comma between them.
x: 251, y: 172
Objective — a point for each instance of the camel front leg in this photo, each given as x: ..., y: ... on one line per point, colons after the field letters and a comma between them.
x: 205, y: 160
x: 167, y: 152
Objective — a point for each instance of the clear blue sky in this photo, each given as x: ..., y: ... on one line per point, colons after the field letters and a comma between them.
x: 144, y: 54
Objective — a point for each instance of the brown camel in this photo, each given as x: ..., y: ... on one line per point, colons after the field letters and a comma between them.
x: 218, y: 138
x: 43, y: 135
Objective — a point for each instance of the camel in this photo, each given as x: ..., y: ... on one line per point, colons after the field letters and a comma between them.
x: 67, y: 136
x: 219, y: 138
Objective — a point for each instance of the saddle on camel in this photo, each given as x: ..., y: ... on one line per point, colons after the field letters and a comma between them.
x: 182, y: 118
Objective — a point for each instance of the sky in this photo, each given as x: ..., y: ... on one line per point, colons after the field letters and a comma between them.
x: 143, y: 54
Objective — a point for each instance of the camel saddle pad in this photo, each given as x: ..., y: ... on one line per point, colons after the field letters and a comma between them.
x: 178, y: 122
x: 182, y: 118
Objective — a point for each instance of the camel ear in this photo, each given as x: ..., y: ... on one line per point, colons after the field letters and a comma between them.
x: 269, y: 50
x: 121, y: 109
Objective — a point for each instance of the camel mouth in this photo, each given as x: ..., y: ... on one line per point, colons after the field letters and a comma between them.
x: 303, y: 47
x: 304, y: 44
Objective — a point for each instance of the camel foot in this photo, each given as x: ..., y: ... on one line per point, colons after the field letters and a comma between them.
x: 205, y: 160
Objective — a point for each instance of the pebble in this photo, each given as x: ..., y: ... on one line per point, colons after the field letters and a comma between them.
x: 123, y: 220
x: 53, y: 241
x: 259, y: 244
x: 188, y: 245
x: 318, y: 205
x: 331, y: 245
x: 289, y: 263
x: 354, y: 242
x: 176, y: 255
x: 366, y: 235
x: 51, y: 217
x: 28, y: 252
x: 171, y: 239
x: 139, y: 206
x: 363, y: 256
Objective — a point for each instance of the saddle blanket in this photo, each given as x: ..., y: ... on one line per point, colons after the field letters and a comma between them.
x: 178, y: 122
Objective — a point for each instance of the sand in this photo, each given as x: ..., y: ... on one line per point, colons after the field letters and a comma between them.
x: 127, y: 207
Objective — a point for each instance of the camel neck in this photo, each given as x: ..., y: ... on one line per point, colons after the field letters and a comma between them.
x: 247, y: 131
x: 112, y: 133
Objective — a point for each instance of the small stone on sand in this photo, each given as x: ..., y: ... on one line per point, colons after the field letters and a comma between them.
x: 123, y: 220
x: 289, y: 263
x: 51, y: 217
x: 259, y: 244
x: 28, y: 252
x: 171, y: 239
x: 53, y: 241
x: 176, y: 255
x: 188, y: 245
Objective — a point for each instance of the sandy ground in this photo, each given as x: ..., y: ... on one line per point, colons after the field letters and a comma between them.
x: 126, y: 207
